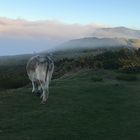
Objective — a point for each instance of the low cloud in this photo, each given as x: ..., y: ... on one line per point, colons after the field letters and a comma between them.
x: 22, y: 36
x: 44, y: 29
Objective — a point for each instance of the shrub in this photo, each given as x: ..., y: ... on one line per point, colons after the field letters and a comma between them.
x: 13, y: 77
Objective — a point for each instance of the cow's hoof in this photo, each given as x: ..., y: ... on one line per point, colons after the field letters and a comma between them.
x: 43, y: 102
x: 33, y: 92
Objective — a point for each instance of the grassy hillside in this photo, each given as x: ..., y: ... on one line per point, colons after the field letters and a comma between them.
x: 85, y: 105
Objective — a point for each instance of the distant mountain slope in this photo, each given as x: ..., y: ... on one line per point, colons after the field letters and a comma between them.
x: 118, y: 32
x: 92, y: 42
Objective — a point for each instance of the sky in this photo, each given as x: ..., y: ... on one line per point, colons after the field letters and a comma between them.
x: 22, y: 17
x: 112, y: 12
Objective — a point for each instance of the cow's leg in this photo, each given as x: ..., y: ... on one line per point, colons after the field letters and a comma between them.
x: 47, y: 83
x: 43, y: 95
x: 51, y: 72
x: 33, y: 89
x: 44, y: 98
x: 38, y: 89
x: 45, y: 87
x: 48, y: 80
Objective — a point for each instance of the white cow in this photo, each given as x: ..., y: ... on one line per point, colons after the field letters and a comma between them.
x: 39, y: 70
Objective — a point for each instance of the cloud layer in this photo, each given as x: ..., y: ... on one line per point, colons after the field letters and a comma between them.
x: 21, y: 36
x: 44, y: 29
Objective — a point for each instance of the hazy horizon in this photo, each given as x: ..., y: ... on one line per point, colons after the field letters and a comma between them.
x: 34, y: 26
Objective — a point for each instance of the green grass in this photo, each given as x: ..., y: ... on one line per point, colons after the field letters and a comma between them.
x: 127, y: 77
x: 78, y: 108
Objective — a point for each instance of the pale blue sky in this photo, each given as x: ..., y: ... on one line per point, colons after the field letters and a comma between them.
x: 110, y: 12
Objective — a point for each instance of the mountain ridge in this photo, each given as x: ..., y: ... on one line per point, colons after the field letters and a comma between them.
x: 94, y: 42
x: 119, y: 32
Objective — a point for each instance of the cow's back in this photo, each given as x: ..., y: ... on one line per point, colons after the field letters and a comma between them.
x: 38, y: 66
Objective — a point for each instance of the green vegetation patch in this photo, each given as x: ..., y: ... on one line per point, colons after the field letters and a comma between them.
x: 77, y: 109
x: 96, y: 79
x: 127, y: 77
